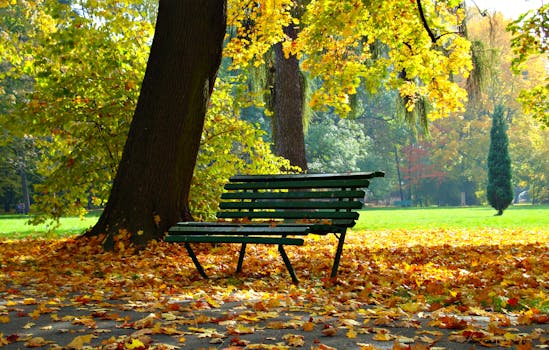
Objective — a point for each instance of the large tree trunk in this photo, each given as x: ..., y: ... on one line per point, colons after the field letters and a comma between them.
x: 151, y: 188
x: 288, y: 134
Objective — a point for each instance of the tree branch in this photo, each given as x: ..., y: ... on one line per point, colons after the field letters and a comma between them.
x: 424, y: 21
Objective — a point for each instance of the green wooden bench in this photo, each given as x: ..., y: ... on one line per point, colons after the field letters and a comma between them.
x: 281, y: 210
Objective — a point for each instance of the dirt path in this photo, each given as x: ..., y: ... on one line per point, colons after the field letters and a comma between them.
x: 88, y: 321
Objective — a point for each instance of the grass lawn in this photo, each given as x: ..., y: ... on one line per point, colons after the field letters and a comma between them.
x: 17, y: 226
x: 515, y: 217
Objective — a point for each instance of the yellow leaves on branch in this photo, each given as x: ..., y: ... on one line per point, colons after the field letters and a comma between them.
x: 6, y: 3
x: 254, y: 29
x: 352, y: 42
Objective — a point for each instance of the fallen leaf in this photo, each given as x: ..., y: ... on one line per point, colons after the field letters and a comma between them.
x: 329, y: 332
x: 294, y: 339
x: 308, y: 326
x: 36, y: 342
x: 78, y: 342
x: 351, y: 334
x: 322, y: 347
x: 135, y: 344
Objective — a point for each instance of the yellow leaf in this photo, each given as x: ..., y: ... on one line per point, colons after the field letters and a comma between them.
x: 29, y: 301
x: 213, y: 303
x: 367, y: 346
x: 182, y: 339
x: 157, y: 219
x: 323, y: 347
x: 411, y: 307
x: 241, y: 329
x: 79, y: 341
x: 381, y: 336
x: 351, y: 334
x: 294, y: 339
x: 329, y: 332
x: 36, y: 342
x: 35, y: 314
x: 135, y: 343
x: 4, y: 319
x: 308, y: 326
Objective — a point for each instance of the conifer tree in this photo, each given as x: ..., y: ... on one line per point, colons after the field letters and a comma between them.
x: 499, y: 190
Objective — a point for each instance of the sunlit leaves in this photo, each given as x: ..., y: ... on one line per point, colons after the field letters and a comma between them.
x: 255, y: 26
x: 346, y: 43
x: 338, y: 42
x: 87, y: 62
x: 529, y: 41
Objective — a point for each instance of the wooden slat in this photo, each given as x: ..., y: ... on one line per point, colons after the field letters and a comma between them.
x: 340, y: 222
x: 284, y: 177
x: 294, y: 195
x: 241, y: 230
x: 297, y: 184
x: 234, y: 239
x: 314, y: 228
x: 288, y: 214
x: 336, y: 205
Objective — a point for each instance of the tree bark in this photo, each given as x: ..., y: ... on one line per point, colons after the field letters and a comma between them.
x: 25, y: 190
x: 288, y: 133
x: 150, y: 191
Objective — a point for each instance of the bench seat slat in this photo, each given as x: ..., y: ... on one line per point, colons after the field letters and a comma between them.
x: 333, y: 222
x: 234, y: 239
x: 288, y: 214
x: 240, y: 230
x: 297, y: 184
x: 294, y: 195
x: 336, y: 226
x: 291, y: 205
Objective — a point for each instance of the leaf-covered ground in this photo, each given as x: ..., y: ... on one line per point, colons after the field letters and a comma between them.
x: 424, y: 289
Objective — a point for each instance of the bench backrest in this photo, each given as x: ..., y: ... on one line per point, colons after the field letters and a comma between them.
x: 327, y: 201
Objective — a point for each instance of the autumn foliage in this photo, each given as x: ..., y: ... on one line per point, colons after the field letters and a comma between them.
x: 386, y: 279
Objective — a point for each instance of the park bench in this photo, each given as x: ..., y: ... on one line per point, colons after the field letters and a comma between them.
x: 281, y: 210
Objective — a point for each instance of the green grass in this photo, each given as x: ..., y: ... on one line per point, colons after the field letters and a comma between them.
x: 515, y: 217
x: 16, y: 226
x: 523, y: 216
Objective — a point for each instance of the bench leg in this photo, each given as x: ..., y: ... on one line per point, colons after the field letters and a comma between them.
x: 337, y: 257
x: 241, y: 258
x: 288, y: 263
x: 195, y: 260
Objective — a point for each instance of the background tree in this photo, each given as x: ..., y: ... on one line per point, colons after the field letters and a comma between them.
x: 527, y: 137
x: 289, y: 99
x: 85, y: 70
x: 335, y: 145
x: 347, y: 45
x: 530, y: 40
x: 499, y: 189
